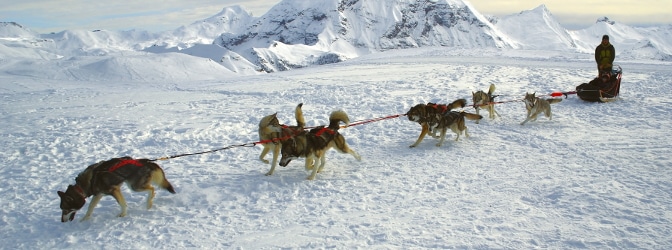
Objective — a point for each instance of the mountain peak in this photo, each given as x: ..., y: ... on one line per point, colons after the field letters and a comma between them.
x: 13, y: 29
x: 605, y: 20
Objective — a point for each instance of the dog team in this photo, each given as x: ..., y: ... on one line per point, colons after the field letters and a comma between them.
x: 288, y: 142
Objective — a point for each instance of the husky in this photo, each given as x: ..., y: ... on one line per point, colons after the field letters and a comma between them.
x: 437, y: 118
x: 105, y: 178
x: 536, y: 106
x: 457, y: 124
x: 314, y: 144
x: 270, y: 129
x: 482, y: 99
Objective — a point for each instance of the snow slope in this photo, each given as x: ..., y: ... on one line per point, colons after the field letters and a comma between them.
x: 597, y: 176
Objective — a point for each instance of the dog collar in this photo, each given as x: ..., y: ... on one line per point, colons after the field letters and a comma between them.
x: 80, y: 191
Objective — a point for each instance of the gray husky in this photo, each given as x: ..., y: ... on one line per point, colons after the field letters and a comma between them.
x: 536, y: 106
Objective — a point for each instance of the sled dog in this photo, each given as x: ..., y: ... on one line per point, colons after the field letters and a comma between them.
x: 314, y: 144
x: 482, y: 99
x: 106, y: 178
x: 271, y: 129
x: 457, y: 124
x: 437, y: 118
x: 536, y: 106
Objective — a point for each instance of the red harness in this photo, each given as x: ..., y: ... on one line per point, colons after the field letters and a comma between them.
x: 124, y: 163
x: 440, y: 107
x: 325, y: 129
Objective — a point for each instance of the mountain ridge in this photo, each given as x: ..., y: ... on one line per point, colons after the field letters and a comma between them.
x: 297, y: 34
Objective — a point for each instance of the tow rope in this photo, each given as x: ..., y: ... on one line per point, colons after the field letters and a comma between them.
x: 362, y: 122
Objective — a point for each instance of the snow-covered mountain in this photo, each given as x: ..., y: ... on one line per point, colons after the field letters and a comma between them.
x: 295, y: 34
x: 300, y: 33
x: 547, y: 34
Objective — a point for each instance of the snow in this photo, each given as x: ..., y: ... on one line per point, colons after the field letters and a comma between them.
x: 597, y: 176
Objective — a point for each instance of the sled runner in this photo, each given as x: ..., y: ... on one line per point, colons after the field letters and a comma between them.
x: 604, y: 88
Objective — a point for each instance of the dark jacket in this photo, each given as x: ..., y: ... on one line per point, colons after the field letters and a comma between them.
x: 605, y: 54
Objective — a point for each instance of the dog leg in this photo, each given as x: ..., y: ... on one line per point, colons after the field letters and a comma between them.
x: 311, y: 163
x: 493, y: 109
x: 342, y: 146
x: 457, y: 133
x: 348, y: 150
x: 150, y: 196
x: 323, y: 161
x: 116, y: 193
x: 274, y: 163
x: 442, y: 137
x: 425, y: 129
x: 434, y: 134
x: 263, y: 153
x: 310, y: 159
x: 549, y: 114
x: 308, y: 165
x: 354, y: 154
x: 92, y: 205
x: 526, y: 120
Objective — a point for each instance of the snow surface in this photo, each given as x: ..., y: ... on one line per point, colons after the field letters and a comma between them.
x: 597, y: 176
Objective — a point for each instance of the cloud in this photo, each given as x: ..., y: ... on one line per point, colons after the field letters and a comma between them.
x: 44, y: 15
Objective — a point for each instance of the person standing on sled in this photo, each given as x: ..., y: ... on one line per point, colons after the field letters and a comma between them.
x: 604, y: 55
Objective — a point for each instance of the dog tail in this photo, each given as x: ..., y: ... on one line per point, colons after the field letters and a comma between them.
x: 336, y: 118
x: 554, y: 100
x: 492, y: 89
x: 298, y: 114
x: 459, y: 103
x: 471, y: 116
x: 159, y: 178
x: 165, y: 184
x: 266, y: 125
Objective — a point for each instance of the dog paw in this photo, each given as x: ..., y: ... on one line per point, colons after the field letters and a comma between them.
x: 264, y: 161
x: 122, y: 215
x: 269, y: 173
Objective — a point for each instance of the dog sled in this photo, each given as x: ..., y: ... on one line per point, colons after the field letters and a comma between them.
x: 604, y: 88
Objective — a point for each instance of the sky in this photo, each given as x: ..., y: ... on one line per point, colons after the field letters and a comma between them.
x: 46, y: 16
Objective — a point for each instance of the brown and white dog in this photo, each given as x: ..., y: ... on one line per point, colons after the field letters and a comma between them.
x: 314, y: 144
x: 482, y: 99
x: 106, y: 178
x: 437, y: 118
x: 273, y: 133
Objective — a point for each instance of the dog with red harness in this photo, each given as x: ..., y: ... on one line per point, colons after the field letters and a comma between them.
x: 105, y: 178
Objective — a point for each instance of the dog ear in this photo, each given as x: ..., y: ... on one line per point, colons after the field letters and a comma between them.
x: 60, y: 193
